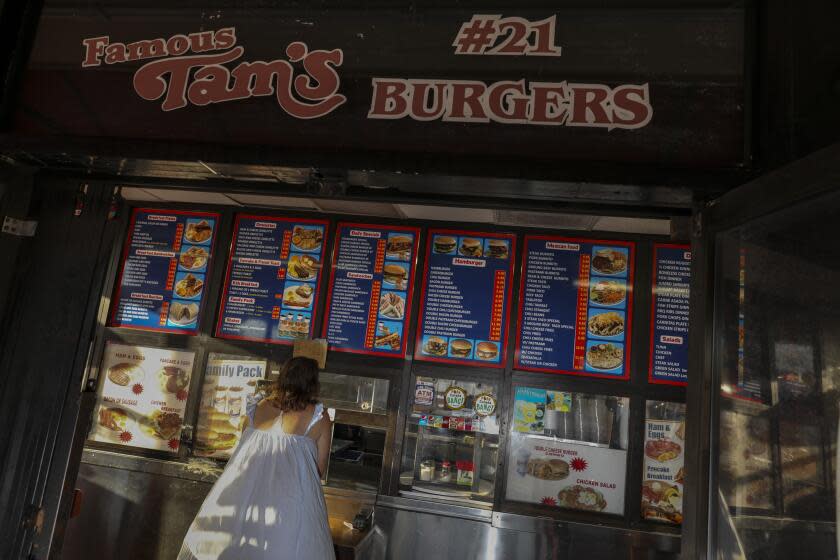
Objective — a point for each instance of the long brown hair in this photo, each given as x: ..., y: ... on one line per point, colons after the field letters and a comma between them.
x: 298, y: 385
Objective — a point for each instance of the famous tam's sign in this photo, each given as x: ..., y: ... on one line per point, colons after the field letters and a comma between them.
x: 533, y: 84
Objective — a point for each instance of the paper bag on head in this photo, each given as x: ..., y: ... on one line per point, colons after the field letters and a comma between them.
x: 315, y: 349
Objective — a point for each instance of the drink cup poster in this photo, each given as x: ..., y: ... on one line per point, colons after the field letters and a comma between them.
x: 576, y: 306
x: 163, y: 276
x: 466, y: 298
x: 273, y: 279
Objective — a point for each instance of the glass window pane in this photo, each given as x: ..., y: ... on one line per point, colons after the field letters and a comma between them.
x: 776, y: 339
x: 452, y: 442
x: 663, y: 474
x: 568, y: 450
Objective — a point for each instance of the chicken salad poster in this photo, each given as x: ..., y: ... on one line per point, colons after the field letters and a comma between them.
x: 164, y: 270
x: 466, y: 298
x: 371, y: 287
x: 142, y: 397
x: 273, y: 279
x: 556, y: 473
x: 576, y: 306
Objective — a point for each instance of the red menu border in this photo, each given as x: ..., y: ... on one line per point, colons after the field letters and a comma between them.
x: 656, y: 247
x: 127, y: 243
x: 418, y: 355
x: 409, y: 289
x: 631, y: 274
x: 239, y: 217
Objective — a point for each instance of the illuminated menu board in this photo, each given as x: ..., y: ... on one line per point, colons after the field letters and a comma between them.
x: 466, y: 297
x: 669, y: 314
x: 371, y: 287
x: 163, y: 275
x: 273, y: 279
x: 576, y: 306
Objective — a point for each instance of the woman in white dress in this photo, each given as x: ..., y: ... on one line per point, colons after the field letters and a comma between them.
x: 268, y: 502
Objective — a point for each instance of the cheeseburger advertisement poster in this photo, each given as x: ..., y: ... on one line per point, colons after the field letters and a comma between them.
x: 566, y: 475
x: 144, y: 393
x: 228, y: 383
x: 371, y: 283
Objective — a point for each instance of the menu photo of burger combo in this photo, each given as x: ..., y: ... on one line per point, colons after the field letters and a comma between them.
x: 460, y: 348
x: 143, y: 397
x: 471, y: 247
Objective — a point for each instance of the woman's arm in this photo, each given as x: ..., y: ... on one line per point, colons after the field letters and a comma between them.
x: 323, y: 441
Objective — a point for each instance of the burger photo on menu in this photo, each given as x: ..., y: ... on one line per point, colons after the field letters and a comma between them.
x: 470, y: 247
x: 444, y: 244
x: 548, y: 469
x: 487, y: 351
x: 395, y: 275
x: 399, y: 246
x: 497, y: 248
x: 460, y: 348
x: 610, y: 261
x: 435, y: 346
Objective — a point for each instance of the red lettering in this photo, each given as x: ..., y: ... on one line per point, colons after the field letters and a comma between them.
x: 257, y: 78
x: 177, y: 45
x: 201, y: 42
x: 210, y: 86
x: 320, y: 69
x: 463, y: 96
x: 503, y: 103
x: 225, y: 38
x: 421, y: 108
x: 140, y: 50
x: 115, y: 53
x: 590, y: 100
x: 94, y: 50
x: 389, y: 99
x: 631, y: 107
x: 150, y: 84
x: 550, y: 104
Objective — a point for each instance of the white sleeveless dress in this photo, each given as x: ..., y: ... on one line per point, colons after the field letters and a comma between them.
x: 268, y: 502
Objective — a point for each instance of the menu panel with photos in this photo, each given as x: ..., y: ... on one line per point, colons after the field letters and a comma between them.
x: 669, y: 314
x: 229, y: 382
x: 164, y: 270
x: 142, y: 397
x: 466, y: 298
x: 371, y: 287
x: 576, y: 307
x: 273, y: 279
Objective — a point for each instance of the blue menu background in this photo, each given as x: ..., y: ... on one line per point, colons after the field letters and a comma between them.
x: 669, y: 359
x: 254, y: 307
x: 349, y: 319
x: 549, y: 312
x: 458, y: 300
x: 161, y: 232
